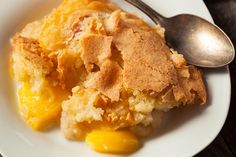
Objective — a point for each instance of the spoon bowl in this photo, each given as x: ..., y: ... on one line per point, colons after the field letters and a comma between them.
x: 202, y: 43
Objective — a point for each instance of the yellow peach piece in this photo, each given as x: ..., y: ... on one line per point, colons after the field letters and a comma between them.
x: 112, y: 141
x: 40, y: 110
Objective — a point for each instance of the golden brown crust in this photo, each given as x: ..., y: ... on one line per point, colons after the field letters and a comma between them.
x: 34, y: 56
x: 146, y: 65
x: 70, y: 69
x: 112, y: 23
x: 191, y: 90
x: 109, y: 80
x: 149, y: 65
x: 95, y: 50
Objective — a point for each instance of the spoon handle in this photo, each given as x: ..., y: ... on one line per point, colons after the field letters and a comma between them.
x: 156, y: 17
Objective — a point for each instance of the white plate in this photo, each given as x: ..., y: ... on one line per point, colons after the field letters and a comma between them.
x: 188, y: 132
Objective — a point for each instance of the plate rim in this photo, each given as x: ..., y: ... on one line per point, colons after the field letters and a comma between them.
x: 223, y: 121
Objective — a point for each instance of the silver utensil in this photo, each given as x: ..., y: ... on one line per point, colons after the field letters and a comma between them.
x: 202, y: 43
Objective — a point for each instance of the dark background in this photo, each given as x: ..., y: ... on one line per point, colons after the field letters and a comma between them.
x: 224, y: 15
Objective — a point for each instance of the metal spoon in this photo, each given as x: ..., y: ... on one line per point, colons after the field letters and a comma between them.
x: 203, y: 44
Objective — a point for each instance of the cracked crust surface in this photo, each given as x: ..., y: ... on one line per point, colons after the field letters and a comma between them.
x: 95, y: 50
x: 146, y: 64
x: 109, y: 80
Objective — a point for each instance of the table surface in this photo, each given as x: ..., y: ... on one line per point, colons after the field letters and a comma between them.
x: 224, y: 15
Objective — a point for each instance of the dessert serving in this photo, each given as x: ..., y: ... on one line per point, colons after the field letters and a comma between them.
x: 103, y: 75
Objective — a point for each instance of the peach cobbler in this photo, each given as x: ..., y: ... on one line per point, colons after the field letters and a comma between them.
x: 103, y: 74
